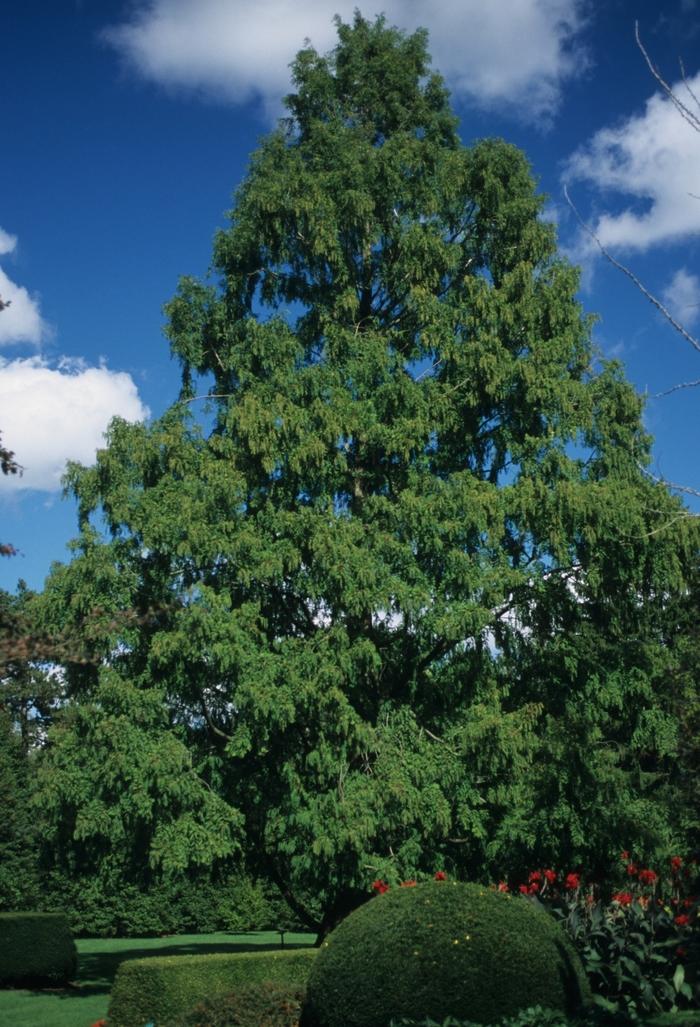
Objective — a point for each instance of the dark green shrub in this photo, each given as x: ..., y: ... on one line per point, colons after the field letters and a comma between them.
x: 18, y: 827
x: 105, y: 906
x: 36, y: 948
x: 253, y: 1005
x: 160, y: 989
x: 535, y: 1016
x: 443, y: 949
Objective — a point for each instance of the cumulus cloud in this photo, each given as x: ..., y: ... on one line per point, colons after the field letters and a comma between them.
x: 649, y: 165
x: 682, y: 297
x: 514, y: 55
x: 21, y: 320
x: 51, y: 414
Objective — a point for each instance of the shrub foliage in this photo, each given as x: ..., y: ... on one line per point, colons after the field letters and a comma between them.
x: 440, y: 949
x: 161, y: 989
x: 36, y: 948
x: 255, y: 1005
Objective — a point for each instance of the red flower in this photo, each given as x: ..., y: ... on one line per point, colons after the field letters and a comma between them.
x: 534, y: 888
x: 623, y: 897
x: 690, y: 901
x: 676, y: 863
x: 632, y: 869
x: 550, y: 876
x: 441, y: 876
x: 681, y: 952
x: 100, y: 1023
x: 682, y: 919
x: 572, y: 882
x: 502, y: 886
x: 379, y: 886
x: 409, y: 884
x: 648, y: 877
x: 624, y: 855
x: 524, y: 890
x: 535, y: 875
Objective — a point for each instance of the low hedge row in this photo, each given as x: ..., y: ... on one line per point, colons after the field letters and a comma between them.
x: 36, y: 948
x: 157, y: 990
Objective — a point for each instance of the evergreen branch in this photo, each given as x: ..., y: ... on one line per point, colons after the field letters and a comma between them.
x: 210, y: 722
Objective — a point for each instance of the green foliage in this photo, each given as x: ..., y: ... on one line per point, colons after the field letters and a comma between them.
x: 641, y: 949
x: 36, y: 949
x: 440, y: 949
x: 404, y: 605
x: 18, y: 829
x: 538, y: 1017
x: 119, y: 782
x: 533, y: 1016
x: 163, y: 989
x: 106, y: 905
x: 263, y: 1004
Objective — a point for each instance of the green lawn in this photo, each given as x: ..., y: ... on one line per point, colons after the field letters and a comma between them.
x: 99, y: 958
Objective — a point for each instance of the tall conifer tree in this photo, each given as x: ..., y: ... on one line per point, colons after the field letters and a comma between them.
x: 418, y: 490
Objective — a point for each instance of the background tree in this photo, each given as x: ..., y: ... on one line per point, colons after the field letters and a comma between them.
x: 18, y: 828
x: 396, y: 580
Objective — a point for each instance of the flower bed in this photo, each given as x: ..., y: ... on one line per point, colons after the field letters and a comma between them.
x: 639, y: 942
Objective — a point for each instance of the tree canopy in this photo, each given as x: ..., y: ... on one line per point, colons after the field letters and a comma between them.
x: 406, y: 589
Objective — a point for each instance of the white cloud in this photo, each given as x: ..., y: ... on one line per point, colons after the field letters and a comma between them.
x: 54, y: 414
x: 20, y: 320
x: 7, y: 242
x: 651, y: 160
x: 514, y: 55
x: 682, y: 297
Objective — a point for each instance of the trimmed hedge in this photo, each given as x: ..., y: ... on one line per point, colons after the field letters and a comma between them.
x: 443, y: 949
x: 36, y: 948
x: 159, y: 989
x: 263, y: 1004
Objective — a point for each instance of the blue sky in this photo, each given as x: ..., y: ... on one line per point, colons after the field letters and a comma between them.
x: 126, y: 127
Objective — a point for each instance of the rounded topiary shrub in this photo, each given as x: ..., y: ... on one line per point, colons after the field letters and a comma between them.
x: 443, y: 949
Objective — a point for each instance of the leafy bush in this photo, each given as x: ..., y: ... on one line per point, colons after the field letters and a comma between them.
x: 440, y: 949
x: 18, y: 828
x: 641, y: 947
x: 105, y: 906
x: 265, y: 1004
x: 533, y: 1016
x: 161, y: 989
x: 36, y: 948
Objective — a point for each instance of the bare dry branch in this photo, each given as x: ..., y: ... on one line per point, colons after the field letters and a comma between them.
x: 669, y: 484
x: 675, y: 388
x: 631, y: 275
x: 686, y: 113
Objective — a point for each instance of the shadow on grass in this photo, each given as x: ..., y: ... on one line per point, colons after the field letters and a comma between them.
x: 97, y: 968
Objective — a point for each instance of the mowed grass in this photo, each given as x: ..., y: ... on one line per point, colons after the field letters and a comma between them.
x: 88, y: 1000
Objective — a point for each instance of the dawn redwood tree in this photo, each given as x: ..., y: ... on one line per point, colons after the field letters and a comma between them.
x: 419, y: 487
